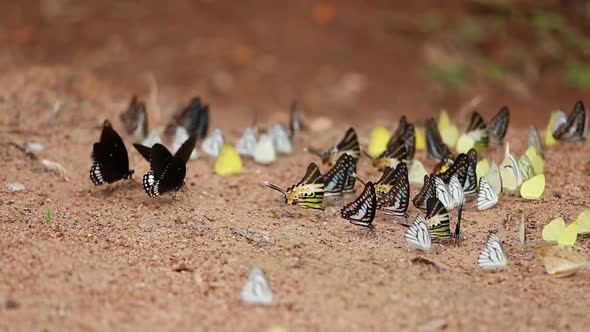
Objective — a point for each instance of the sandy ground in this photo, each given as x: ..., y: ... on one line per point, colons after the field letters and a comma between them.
x: 114, y: 259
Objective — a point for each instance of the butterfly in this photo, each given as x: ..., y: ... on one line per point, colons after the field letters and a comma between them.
x: 557, y: 232
x: 135, y: 119
x: 385, y: 183
x: 418, y: 235
x: 486, y: 196
x: 478, y: 131
x: 264, y: 151
x: 152, y: 138
x: 561, y: 261
x: 180, y: 136
x: 444, y: 165
x: 340, y: 178
x: 229, y: 161
x: 417, y: 172
x: 349, y: 144
x: 109, y: 155
x: 307, y: 193
x: 451, y: 195
x: 534, y: 140
x: 392, y: 156
x: 396, y: 201
x: 362, y: 210
x: 437, y: 218
x: 494, y: 179
x: 498, y: 126
x: 256, y: 289
x: 448, y: 131
x: 437, y: 150
x: 583, y: 221
x: 296, y: 123
x: 575, y: 127
x: 428, y: 190
x: 194, y: 118
x: 247, y: 142
x: 492, y: 255
x: 407, y: 133
x: 280, y: 139
x: 510, y: 173
x: 167, y: 171
x: 212, y: 143
x: 464, y: 167
x: 378, y: 138
x: 457, y: 234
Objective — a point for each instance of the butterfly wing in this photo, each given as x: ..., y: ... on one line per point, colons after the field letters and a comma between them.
x: 533, y: 139
x: 576, y: 126
x: 407, y: 133
x: 470, y: 183
x: 256, y: 290
x: 499, y: 125
x: 144, y: 151
x: 437, y: 218
x: 486, y: 196
x: 350, y: 144
x: 362, y: 210
x: 111, y: 162
x: 443, y: 193
x: 418, y: 235
x: 135, y: 119
x: 337, y: 177
x: 428, y: 190
x: 309, y: 192
x: 493, y: 255
x: 195, y: 118
x: 186, y: 149
x: 478, y: 131
x: 396, y: 201
x: 437, y: 150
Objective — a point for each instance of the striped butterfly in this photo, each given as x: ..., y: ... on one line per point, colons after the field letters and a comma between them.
x: 407, y: 133
x: 280, y: 139
x: 451, y: 195
x: 575, y: 128
x: 525, y: 167
x: 510, y: 173
x: 428, y: 190
x: 464, y: 167
x: 418, y: 235
x: 392, y: 156
x: 340, y: 178
x: 362, y: 210
x: 135, y: 119
x: 478, y: 130
x: 499, y: 125
x: 396, y: 201
x: 349, y: 144
x: 384, y: 184
x: 533, y: 139
x: 437, y: 218
x: 307, y: 193
x: 444, y: 165
x: 486, y: 196
x: 194, y: 118
x: 493, y: 255
x: 437, y: 149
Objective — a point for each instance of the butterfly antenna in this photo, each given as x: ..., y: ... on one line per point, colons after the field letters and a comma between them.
x: 275, y: 187
x: 315, y: 152
x: 358, y: 178
x: 367, y: 154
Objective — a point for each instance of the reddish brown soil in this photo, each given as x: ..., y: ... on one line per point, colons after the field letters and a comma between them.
x: 113, y: 259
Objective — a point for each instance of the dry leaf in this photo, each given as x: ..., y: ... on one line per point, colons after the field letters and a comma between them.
x: 55, y: 167
x: 561, y: 261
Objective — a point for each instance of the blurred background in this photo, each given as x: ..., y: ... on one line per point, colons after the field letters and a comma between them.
x: 338, y: 58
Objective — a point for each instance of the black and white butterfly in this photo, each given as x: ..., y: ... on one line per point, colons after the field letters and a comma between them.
x: 437, y: 149
x: 498, y: 126
x: 407, y: 133
x: 296, y: 123
x: 167, y: 171
x: 428, y: 191
x: 486, y: 196
x: 194, y: 118
x: 478, y: 131
x: 111, y: 162
x: 340, y: 178
x: 492, y: 255
x: 451, y: 194
x: 396, y: 201
x: 362, y: 210
x: 464, y: 168
x: 575, y: 127
x: 135, y: 119
x: 418, y: 235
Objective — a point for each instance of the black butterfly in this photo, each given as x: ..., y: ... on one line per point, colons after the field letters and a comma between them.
x: 478, y: 130
x: 464, y: 167
x: 406, y: 132
x: 194, y: 118
x: 395, y: 202
x: 576, y: 126
x: 428, y: 191
x: 362, y: 210
x: 499, y: 125
x: 341, y: 177
x: 437, y: 149
x: 111, y: 162
x: 135, y: 119
x: 167, y: 171
x: 349, y: 144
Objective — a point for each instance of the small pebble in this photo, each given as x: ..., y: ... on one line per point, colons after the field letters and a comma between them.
x: 11, y: 304
x: 557, y: 194
x: 15, y: 187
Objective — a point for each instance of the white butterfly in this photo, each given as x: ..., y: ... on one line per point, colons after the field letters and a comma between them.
x: 493, y: 255
x: 152, y: 138
x: 486, y: 196
x: 212, y: 144
x: 180, y: 136
x: 451, y: 195
x: 264, y: 151
x: 246, y: 144
x: 256, y: 289
x: 494, y: 178
x: 418, y: 235
x: 280, y: 139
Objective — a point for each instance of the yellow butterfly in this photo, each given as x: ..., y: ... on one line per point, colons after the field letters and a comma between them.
x: 420, y: 140
x: 549, y: 139
x: 494, y: 178
x: 465, y: 143
x: 417, y: 172
x: 561, y: 261
x: 229, y: 161
x: 533, y: 188
x: 583, y: 222
x: 536, y: 160
x: 556, y: 232
x: 378, y: 139
x: 482, y: 168
x: 448, y: 131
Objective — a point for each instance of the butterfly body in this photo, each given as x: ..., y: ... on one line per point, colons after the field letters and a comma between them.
x: 110, y: 159
x: 307, y: 193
